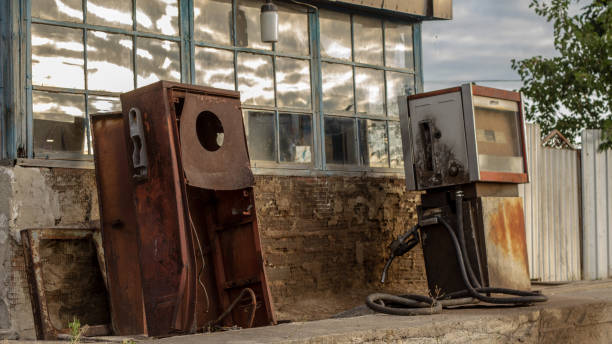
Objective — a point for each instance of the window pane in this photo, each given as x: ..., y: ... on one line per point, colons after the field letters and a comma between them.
x: 293, y: 83
x: 248, y: 30
x: 398, y: 84
x: 115, y: 13
x: 157, y: 16
x: 261, y: 135
x: 255, y: 79
x: 368, y: 40
x: 293, y: 31
x: 213, y: 21
x: 395, y: 145
x: 337, y: 87
x: 109, y: 62
x: 57, y: 56
x: 335, y: 34
x: 157, y: 60
x: 215, y: 68
x: 66, y: 10
x: 340, y: 141
x: 398, y: 45
x: 370, y: 84
x: 98, y: 104
x: 295, y: 138
x: 58, y: 123
x: 373, y: 143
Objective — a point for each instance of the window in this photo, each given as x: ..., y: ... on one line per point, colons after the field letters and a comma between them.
x: 323, y: 97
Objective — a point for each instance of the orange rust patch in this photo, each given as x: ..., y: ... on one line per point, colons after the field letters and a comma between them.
x: 507, y: 230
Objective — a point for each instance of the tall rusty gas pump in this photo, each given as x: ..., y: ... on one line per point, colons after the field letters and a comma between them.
x: 465, y: 148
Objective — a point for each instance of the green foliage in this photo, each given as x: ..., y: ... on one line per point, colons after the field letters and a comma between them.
x: 75, y: 331
x: 572, y: 91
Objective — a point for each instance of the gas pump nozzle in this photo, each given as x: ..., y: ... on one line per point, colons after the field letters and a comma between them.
x: 401, y: 246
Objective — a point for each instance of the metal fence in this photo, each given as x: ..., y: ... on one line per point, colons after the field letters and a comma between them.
x: 597, y: 207
x: 552, y: 210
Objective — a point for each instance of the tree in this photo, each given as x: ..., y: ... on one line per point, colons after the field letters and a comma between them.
x: 572, y: 91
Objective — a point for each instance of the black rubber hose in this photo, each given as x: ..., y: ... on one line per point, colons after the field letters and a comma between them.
x: 461, y: 235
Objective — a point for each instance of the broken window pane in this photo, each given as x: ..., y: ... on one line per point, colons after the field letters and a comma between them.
x: 115, y: 13
x: 248, y: 29
x: 157, y: 16
x: 64, y: 10
x: 370, y: 85
x: 368, y: 40
x: 293, y: 31
x: 337, y: 87
x: 109, y: 62
x: 157, y: 60
x: 340, y: 141
x: 255, y: 79
x: 373, y: 143
x: 59, y: 123
x: 261, y: 135
x: 335, y: 34
x: 395, y: 145
x: 295, y: 138
x: 293, y: 83
x: 398, y: 45
x: 99, y: 104
x: 57, y: 56
x: 213, y: 21
x: 398, y: 84
x: 215, y: 68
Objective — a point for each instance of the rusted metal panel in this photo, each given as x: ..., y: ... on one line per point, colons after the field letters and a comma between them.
x: 503, y: 227
x: 119, y: 224
x: 596, y: 207
x: 50, y: 277
x: 214, y: 155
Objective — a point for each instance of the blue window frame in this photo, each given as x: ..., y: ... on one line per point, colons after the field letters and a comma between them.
x: 321, y: 99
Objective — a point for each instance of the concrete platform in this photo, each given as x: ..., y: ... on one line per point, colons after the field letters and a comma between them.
x: 576, y: 313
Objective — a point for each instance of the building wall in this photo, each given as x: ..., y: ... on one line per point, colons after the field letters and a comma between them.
x: 321, y: 236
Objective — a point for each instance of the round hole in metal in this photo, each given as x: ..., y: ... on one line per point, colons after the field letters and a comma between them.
x: 209, y: 131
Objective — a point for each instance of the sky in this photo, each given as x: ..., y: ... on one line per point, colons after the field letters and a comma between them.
x: 479, y: 42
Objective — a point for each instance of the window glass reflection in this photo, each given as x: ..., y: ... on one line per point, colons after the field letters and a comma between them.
x: 295, y: 138
x: 370, y: 87
x: 293, y: 31
x: 109, y: 62
x: 396, y: 153
x: 57, y: 56
x: 368, y: 40
x: 335, y: 34
x: 213, y: 21
x: 157, y: 60
x: 214, y: 68
x: 398, y: 45
x: 59, y: 123
x: 99, y: 104
x: 337, y: 87
x: 373, y: 143
x: 115, y: 13
x: 248, y: 30
x: 261, y: 135
x: 255, y: 79
x: 293, y: 83
x: 398, y: 84
x: 61, y: 10
x: 157, y: 16
x: 340, y: 141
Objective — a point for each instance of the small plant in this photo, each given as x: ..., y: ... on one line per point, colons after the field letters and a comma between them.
x: 76, y: 331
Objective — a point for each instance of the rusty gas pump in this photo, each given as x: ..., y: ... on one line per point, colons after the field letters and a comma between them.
x: 465, y: 147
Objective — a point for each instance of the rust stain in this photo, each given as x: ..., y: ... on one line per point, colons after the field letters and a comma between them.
x: 508, y: 230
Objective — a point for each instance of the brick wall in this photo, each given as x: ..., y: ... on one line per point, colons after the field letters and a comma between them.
x: 324, y: 237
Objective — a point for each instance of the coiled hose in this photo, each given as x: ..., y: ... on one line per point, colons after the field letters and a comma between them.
x: 413, y: 304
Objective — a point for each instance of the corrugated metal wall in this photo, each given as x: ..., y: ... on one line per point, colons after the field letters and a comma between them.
x: 552, y: 210
x: 597, y: 207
